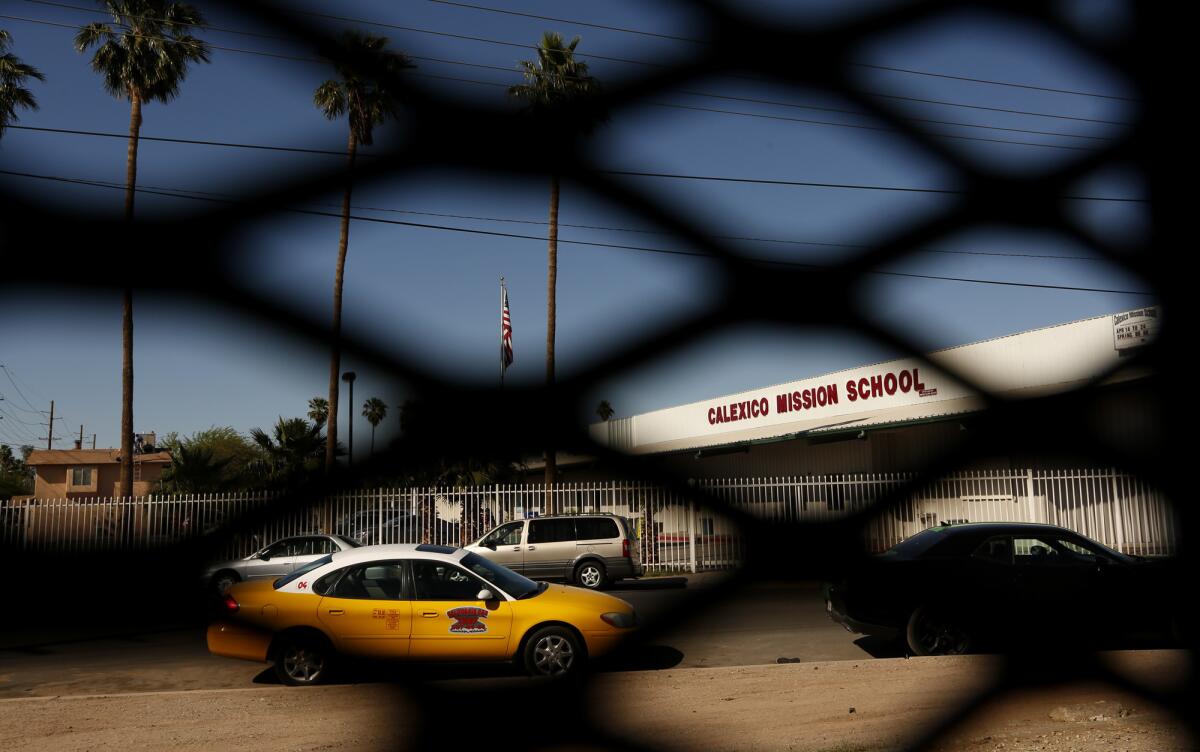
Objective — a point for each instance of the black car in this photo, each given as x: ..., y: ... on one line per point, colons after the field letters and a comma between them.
x: 1013, y: 586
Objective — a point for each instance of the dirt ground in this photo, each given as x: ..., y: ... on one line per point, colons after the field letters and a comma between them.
x: 842, y: 706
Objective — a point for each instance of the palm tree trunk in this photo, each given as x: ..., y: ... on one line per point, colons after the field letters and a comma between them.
x: 372, y: 439
x: 335, y: 358
x: 126, y: 477
x: 551, y: 313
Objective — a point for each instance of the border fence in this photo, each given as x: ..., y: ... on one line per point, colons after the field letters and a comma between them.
x: 675, y: 533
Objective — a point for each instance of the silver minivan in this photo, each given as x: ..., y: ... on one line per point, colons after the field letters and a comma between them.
x: 589, y: 550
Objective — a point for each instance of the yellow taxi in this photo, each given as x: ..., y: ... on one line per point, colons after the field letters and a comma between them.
x: 418, y: 603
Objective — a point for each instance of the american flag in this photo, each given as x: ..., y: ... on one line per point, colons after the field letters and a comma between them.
x: 506, y: 351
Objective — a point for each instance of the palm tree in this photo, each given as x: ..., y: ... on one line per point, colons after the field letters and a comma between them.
x: 142, y: 56
x: 292, y: 451
x: 195, y: 470
x: 364, y: 90
x: 557, y: 88
x: 604, y: 410
x: 374, y: 410
x: 318, y: 410
x: 14, y: 74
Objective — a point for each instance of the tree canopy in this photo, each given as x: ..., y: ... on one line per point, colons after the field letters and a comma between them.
x: 146, y: 50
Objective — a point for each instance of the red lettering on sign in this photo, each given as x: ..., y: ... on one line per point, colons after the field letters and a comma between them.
x: 833, y: 400
x: 905, y: 381
x: 711, y: 416
x: 920, y: 387
x: 889, y: 383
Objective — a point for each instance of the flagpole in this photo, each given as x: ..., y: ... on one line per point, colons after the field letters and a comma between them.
x: 502, y: 332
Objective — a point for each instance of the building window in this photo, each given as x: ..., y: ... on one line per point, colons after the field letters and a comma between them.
x: 81, y: 476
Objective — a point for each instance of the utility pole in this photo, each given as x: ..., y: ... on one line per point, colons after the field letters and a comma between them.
x: 80, y: 445
x: 93, y: 441
x: 50, y: 433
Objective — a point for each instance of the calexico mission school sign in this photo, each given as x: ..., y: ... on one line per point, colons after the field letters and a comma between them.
x: 1034, y: 362
x: 862, y: 390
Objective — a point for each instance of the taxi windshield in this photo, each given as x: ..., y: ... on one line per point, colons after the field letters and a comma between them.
x: 502, y: 577
x: 303, y: 570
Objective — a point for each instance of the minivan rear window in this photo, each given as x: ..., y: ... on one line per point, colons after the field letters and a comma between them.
x: 592, y: 528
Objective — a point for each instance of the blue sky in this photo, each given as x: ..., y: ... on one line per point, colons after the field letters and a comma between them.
x: 433, y: 295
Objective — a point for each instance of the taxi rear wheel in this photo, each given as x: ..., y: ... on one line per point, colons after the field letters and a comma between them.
x: 591, y: 575
x: 552, y: 651
x: 302, y: 661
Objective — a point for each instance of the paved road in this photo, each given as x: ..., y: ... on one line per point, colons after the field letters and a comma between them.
x: 761, y: 625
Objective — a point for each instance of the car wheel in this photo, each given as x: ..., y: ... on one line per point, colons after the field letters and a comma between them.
x: 224, y: 580
x: 302, y: 661
x: 552, y: 651
x: 591, y: 575
x: 932, y: 631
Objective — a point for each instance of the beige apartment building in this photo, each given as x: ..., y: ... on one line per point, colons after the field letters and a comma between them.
x: 76, y: 473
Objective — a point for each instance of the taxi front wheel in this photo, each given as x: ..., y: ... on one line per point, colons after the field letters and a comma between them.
x: 302, y: 661
x: 552, y: 651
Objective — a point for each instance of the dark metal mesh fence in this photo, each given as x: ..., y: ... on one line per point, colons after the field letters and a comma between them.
x: 91, y: 253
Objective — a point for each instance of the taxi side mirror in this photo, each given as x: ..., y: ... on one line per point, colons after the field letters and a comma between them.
x: 490, y: 544
x: 486, y: 595
x: 264, y: 556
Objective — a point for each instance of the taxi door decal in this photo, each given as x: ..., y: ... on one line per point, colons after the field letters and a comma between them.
x: 468, y: 619
x: 391, y: 617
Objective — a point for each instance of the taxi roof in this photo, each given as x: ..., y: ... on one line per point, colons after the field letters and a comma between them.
x: 399, y: 550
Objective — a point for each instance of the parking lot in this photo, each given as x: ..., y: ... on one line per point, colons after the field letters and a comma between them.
x: 759, y: 626
x: 767, y: 668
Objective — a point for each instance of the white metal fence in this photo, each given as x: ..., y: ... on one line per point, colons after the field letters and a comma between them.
x: 675, y: 533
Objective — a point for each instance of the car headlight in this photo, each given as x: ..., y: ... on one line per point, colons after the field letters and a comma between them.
x: 620, y: 620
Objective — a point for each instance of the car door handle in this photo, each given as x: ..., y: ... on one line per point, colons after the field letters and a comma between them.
x: 532, y: 548
x: 336, y: 611
x: 516, y: 548
x: 429, y: 614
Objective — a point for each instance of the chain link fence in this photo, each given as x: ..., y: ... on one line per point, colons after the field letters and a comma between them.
x: 91, y: 253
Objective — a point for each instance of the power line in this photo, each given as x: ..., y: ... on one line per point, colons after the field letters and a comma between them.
x: 622, y: 29
x: 890, y: 68
x: 632, y: 173
x: 12, y: 417
x: 893, y: 130
x: 848, y: 186
x: 8, y: 373
x: 687, y: 92
x: 464, y: 37
x: 666, y: 251
x: 184, y: 192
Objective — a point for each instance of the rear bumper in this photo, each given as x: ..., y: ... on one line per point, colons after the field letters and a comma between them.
x: 233, y: 640
x: 622, y: 568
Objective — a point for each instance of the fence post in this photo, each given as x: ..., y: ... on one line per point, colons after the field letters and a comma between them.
x: 1117, y: 510
x: 692, y: 534
x: 1029, y: 495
